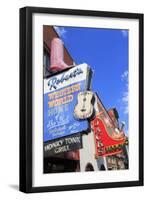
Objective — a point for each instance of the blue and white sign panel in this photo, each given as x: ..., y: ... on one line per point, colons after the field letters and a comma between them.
x: 60, y: 98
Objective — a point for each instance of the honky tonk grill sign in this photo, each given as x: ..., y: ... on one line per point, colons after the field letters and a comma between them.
x: 61, y: 145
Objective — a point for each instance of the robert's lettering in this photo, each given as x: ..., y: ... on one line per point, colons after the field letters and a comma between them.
x: 54, y: 82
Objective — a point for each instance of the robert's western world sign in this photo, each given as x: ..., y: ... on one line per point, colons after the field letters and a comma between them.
x: 60, y: 98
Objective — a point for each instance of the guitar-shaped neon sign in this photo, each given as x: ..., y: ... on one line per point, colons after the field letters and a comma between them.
x: 108, y: 138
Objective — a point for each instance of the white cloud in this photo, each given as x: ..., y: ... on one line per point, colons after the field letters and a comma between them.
x: 125, y: 100
x: 125, y: 94
x: 124, y: 76
x: 60, y: 30
x: 124, y: 33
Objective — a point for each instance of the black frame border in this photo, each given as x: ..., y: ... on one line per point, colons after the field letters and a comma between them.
x: 25, y: 99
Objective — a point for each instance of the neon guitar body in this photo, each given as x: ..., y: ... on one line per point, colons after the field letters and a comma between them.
x: 84, y: 108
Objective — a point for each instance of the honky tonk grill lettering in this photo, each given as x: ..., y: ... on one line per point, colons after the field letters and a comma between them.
x: 62, y: 145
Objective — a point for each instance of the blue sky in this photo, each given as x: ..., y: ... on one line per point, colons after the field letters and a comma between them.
x: 106, y: 51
